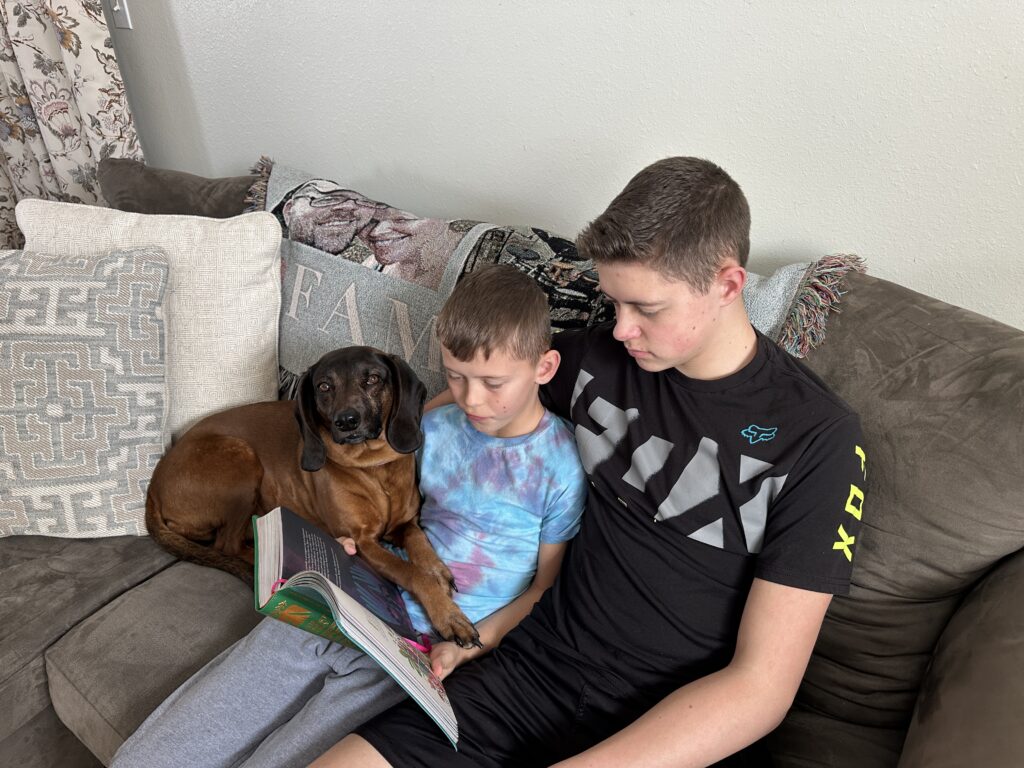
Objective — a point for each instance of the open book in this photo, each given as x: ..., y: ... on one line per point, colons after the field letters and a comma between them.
x: 305, y: 578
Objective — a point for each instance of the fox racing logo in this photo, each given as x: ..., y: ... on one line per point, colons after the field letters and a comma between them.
x: 756, y: 434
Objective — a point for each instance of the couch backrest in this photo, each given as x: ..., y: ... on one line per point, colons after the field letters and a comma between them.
x: 940, y: 392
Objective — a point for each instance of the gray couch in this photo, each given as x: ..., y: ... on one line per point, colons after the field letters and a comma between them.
x: 922, y: 665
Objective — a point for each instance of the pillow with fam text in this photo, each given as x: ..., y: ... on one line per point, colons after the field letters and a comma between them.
x: 359, y: 271
x: 82, y: 390
x: 223, y: 299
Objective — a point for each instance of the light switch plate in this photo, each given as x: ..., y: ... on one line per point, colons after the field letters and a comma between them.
x: 119, y: 12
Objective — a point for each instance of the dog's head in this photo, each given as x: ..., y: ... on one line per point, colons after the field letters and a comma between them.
x: 357, y: 393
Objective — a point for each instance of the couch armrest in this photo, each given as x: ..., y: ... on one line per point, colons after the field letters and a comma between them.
x: 969, y: 708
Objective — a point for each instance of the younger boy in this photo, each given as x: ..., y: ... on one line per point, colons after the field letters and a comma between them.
x: 503, y: 492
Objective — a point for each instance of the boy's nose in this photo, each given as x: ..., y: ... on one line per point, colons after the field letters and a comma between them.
x: 474, y: 394
x: 624, y: 329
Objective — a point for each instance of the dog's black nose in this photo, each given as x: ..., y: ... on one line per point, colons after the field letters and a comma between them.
x: 347, y: 420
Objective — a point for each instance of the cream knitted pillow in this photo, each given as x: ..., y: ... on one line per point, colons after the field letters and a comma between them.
x: 223, y: 299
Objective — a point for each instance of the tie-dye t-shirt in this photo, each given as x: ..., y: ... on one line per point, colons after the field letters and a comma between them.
x: 490, y: 502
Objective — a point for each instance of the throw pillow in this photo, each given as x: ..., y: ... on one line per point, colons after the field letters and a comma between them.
x: 223, y: 300
x: 129, y: 185
x: 791, y: 305
x: 359, y: 271
x: 82, y: 395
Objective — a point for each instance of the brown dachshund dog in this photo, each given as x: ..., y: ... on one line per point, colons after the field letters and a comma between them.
x: 340, y: 456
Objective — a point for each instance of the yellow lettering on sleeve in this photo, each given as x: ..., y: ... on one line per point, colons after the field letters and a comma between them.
x: 844, y: 543
x: 855, y: 501
x: 863, y: 460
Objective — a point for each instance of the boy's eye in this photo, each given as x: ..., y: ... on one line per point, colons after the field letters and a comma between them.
x: 452, y: 376
x: 639, y: 310
x: 494, y: 384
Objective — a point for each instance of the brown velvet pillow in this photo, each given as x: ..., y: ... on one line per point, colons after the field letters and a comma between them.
x: 129, y: 185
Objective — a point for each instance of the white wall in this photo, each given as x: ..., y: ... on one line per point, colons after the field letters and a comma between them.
x: 887, y: 129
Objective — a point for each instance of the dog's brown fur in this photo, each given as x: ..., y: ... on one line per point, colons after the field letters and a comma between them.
x: 340, y: 456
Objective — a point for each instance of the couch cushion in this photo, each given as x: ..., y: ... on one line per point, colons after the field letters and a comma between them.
x: 810, y: 739
x: 108, y: 673
x: 129, y: 185
x: 940, y: 393
x: 82, y: 394
x: 223, y: 301
x: 50, y: 585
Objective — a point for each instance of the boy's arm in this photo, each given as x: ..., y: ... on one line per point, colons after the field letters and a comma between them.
x: 716, y: 716
x: 444, y: 397
x: 447, y: 656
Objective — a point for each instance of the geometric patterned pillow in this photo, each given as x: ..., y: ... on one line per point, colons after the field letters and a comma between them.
x: 82, y: 392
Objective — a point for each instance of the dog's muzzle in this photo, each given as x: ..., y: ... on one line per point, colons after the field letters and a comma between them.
x: 349, y: 427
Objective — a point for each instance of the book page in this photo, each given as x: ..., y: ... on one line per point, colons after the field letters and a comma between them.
x: 408, y: 666
x: 305, y: 547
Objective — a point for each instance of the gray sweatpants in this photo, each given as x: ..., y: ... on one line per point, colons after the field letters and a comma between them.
x: 279, y: 697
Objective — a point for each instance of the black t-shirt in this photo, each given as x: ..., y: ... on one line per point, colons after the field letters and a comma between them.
x: 697, y: 487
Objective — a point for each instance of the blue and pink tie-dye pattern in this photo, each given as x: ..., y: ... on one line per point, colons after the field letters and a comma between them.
x: 489, y: 503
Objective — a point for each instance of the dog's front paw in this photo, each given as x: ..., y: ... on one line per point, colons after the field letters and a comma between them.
x: 459, y: 629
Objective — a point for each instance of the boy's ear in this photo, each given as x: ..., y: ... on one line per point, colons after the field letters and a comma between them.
x: 547, y: 366
x: 731, y: 279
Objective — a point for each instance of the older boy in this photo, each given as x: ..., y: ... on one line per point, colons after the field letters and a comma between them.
x: 726, y: 494
x: 502, y: 494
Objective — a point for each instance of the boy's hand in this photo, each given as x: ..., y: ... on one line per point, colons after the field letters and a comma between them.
x: 446, y: 656
x: 348, y: 544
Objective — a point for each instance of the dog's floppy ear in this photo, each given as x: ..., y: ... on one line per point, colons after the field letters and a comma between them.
x: 407, y: 396
x: 314, y: 454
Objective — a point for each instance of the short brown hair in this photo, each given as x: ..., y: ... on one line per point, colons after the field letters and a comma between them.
x: 496, y: 308
x: 682, y: 216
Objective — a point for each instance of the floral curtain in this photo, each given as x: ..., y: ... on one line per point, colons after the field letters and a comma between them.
x: 62, y: 105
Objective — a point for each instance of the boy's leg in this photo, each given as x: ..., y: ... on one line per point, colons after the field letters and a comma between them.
x: 216, y: 718
x: 356, y: 690
x: 522, y: 705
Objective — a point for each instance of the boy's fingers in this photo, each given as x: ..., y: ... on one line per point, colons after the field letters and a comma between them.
x: 348, y: 544
x: 437, y: 668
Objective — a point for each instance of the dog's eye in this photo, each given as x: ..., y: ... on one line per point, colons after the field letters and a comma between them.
x: 323, y: 386
x: 373, y: 379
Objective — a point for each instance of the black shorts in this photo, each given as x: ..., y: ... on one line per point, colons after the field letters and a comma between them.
x: 522, y: 705
x: 525, y: 704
